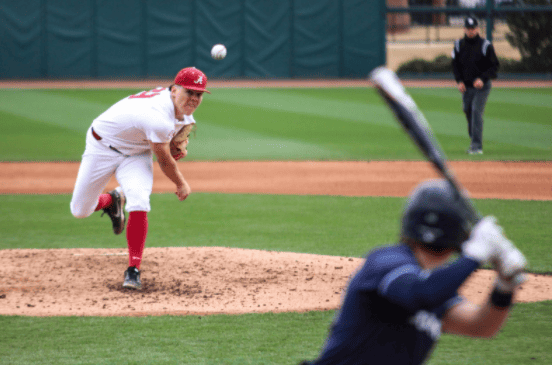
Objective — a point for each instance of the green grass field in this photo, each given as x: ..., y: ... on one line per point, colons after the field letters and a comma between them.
x: 287, y: 124
x: 265, y: 124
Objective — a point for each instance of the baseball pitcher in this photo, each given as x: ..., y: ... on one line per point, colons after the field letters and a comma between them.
x: 121, y: 142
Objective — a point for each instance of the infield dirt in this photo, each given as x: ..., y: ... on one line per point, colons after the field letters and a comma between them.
x: 210, y: 280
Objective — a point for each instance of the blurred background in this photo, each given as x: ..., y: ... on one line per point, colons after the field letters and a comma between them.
x: 420, y: 34
x: 129, y: 39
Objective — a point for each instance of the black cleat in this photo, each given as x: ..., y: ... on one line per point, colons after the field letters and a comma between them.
x: 115, y: 210
x: 132, y: 279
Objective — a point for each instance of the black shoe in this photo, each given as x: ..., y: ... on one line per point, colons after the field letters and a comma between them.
x: 132, y: 279
x: 115, y: 210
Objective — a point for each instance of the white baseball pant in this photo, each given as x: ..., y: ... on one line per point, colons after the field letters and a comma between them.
x: 99, y: 163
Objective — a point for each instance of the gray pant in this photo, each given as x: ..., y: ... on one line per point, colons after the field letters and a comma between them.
x: 473, y: 104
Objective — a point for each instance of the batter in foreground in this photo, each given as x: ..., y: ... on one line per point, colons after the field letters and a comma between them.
x: 121, y: 142
x: 405, y: 295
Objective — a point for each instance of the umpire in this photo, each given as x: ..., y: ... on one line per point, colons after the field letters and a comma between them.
x: 474, y: 64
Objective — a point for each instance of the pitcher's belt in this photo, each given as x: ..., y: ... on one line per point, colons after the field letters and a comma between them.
x: 97, y: 136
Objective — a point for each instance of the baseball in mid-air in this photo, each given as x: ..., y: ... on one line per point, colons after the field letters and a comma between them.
x: 218, y: 52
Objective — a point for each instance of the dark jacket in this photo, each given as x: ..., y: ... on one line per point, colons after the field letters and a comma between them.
x: 474, y: 58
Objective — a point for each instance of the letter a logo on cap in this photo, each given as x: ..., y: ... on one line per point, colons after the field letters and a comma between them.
x: 191, y: 78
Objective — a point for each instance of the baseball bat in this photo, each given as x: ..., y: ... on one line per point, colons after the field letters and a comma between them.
x: 417, y: 127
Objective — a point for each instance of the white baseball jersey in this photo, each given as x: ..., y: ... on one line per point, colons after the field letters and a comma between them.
x: 127, y: 127
x: 147, y: 116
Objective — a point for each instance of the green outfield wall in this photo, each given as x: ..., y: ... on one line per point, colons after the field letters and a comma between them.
x: 106, y: 39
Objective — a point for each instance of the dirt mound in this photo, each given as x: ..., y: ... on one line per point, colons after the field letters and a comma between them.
x: 191, y: 280
x: 202, y: 280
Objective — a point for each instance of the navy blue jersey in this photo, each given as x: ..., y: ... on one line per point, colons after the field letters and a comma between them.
x: 383, y: 319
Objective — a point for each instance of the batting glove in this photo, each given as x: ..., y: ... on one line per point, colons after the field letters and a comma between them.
x: 484, y: 241
x: 509, y: 261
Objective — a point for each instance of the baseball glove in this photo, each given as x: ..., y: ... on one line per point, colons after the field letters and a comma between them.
x: 179, y: 142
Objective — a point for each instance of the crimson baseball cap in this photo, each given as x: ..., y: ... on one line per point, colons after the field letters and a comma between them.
x: 191, y: 78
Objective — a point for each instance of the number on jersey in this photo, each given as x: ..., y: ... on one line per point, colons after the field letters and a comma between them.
x: 147, y: 94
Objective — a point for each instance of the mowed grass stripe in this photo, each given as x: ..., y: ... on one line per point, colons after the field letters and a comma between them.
x: 524, y: 134
x: 527, y: 126
x: 335, y: 138
x: 24, y: 139
x: 529, y: 97
x: 295, y: 124
x: 270, y: 339
x: 369, y: 109
x: 59, y: 110
x: 327, y: 225
x: 217, y: 142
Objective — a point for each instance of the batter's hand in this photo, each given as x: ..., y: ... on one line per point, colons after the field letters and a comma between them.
x: 509, y: 261
x: 183, y: 191
x: 485, y: 240
x: 478, y: 83
x: 461, y: 87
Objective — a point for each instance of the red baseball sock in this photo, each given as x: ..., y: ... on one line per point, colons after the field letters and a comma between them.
x: 105, y: 200
x: 136, y: 233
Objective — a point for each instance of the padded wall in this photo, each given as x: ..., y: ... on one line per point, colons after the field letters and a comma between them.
x: 125, y: 39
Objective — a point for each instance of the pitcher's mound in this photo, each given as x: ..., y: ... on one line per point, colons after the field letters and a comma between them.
x: 190, y: 280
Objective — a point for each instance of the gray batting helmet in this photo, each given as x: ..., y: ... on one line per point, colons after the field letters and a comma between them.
x: 434, y: 216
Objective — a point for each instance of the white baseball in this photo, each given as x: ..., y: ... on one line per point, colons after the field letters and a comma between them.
x: 218, y: 52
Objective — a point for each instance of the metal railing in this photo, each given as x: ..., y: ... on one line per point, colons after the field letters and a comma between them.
x: 487, y: 13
